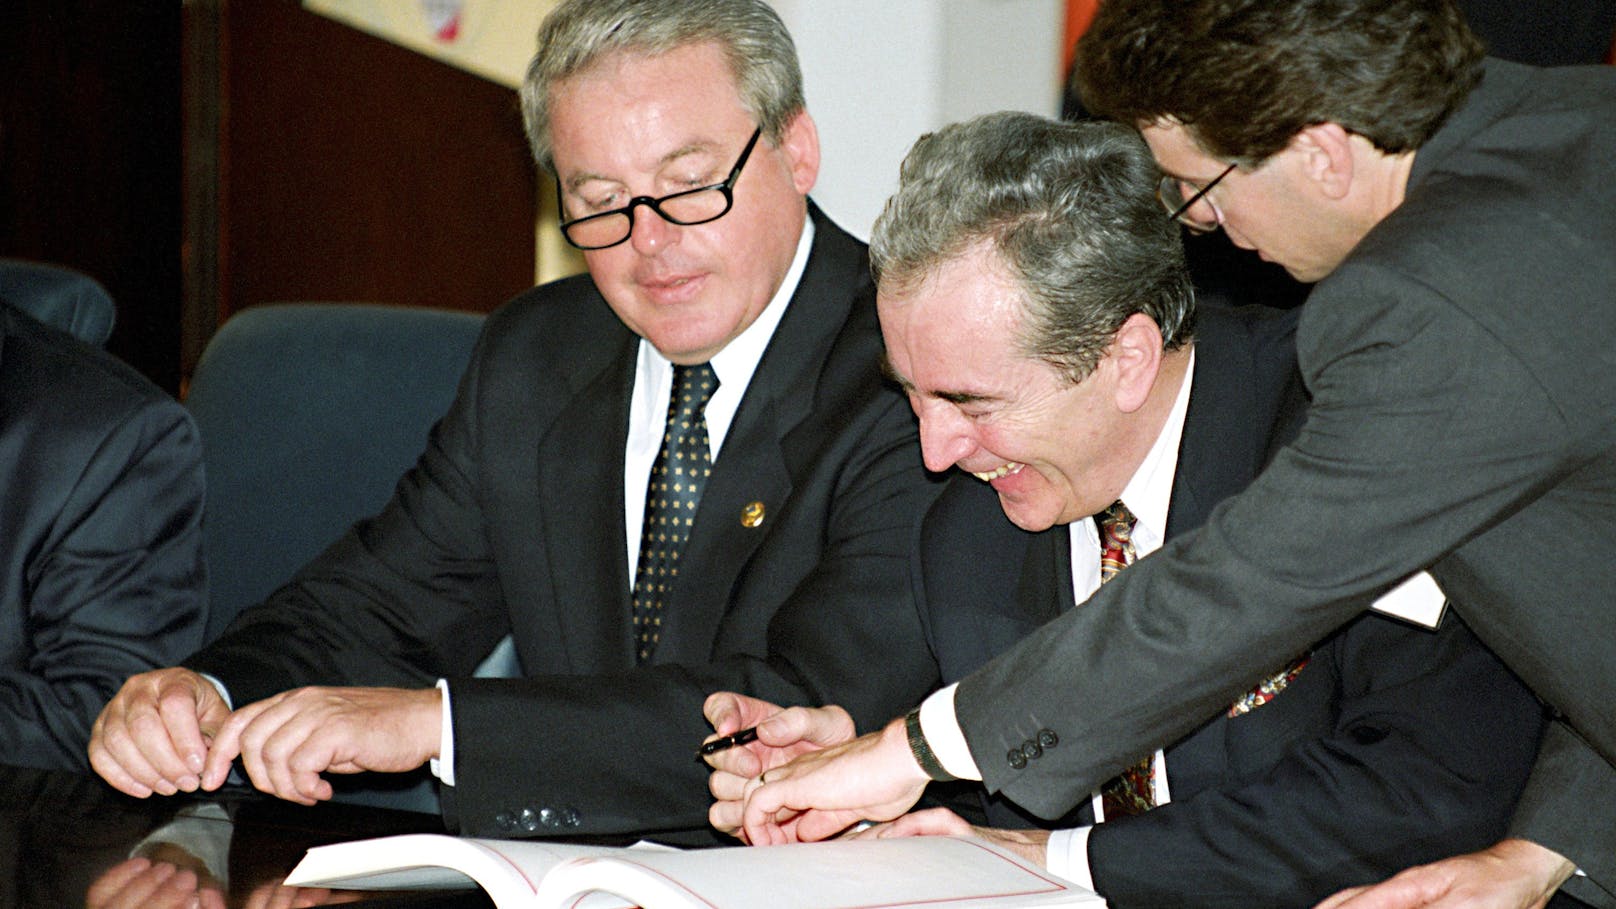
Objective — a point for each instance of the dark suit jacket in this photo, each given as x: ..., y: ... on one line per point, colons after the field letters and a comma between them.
x: 1463, y: 381
x: 512, y: 522
x: 1394, y: 745
x: 101, y: 571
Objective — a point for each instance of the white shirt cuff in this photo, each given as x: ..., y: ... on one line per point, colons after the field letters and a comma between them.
x: 443, y: 765
x: 223, y: 692
x: 203, y: 830
x: 942, y: 731
x: 1067, y: 855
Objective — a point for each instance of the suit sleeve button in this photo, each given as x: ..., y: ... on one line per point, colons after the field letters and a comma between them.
x: 550, y: 818
x: 1016, y: 759
x: 570, y: 817
x: 1031, y: 751
x: 1048, y: 738
x: 528, y: 820
x: 504, y: 821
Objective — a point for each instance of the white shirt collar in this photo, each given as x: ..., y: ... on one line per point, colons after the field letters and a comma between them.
x: 1148, y: 495
x: 734, y: 364
x: 653, y: 380
x: 1149, y: 492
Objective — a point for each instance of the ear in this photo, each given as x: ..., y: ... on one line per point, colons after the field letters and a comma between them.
x: 800, y: 142
x: 1136, y: 358
x: 1327, y: 158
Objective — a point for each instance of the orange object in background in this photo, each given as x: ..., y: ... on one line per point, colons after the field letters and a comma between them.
x: 1079, y: 13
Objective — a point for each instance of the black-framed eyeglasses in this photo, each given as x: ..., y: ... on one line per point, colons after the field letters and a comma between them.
x: 686, y: 207
x: 1171, y: 189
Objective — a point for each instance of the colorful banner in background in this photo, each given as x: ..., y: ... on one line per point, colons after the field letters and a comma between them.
x: 491, y: 38
x: 1079, y: 13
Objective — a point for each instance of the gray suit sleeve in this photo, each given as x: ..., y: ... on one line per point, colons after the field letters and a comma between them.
x: 1554, y: 812
x: 1425, y: 430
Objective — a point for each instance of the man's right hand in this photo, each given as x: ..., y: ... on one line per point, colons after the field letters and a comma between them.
x: 153, y: 736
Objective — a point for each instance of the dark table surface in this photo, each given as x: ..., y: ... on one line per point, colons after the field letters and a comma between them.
x: 72, y: 841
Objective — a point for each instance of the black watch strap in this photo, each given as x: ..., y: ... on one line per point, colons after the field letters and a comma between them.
x: 922, y: 751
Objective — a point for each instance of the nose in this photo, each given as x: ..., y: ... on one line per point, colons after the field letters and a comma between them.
x: 945, y: 435
x: 651, y: 231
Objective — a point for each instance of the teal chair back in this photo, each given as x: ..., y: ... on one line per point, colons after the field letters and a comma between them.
x: 309, y: 414
x: 60, y: 297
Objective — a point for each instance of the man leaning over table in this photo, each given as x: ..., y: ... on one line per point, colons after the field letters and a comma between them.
x: 1456, y: 214
x: 684, y: 154
x: 1037, y: 309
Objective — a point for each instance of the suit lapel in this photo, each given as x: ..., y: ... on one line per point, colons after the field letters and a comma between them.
x: 585, y: 511
x: 1045, y: 590
x: 1223, y: 442
x: 755, y: 466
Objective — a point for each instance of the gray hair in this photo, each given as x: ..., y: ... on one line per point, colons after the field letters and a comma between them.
x: 581, y: 33
x: 1070, y: 210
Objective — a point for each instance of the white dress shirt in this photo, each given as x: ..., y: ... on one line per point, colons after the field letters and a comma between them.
x: 1147, y: 495
x: 653, y: 385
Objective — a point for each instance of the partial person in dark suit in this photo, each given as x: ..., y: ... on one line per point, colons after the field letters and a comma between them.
x: 1566, y: 33
x: 1387, y: 744
x: 684, y: 154
x: 100, y: 537
x: 1456, y: 214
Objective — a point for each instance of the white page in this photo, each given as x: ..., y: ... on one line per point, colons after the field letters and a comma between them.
x: 957, y: 872
x: 509, y: 870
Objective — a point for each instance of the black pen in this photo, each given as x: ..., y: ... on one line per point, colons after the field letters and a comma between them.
x: 727, y: 742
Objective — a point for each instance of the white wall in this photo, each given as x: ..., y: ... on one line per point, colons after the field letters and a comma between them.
x: 878, y: 73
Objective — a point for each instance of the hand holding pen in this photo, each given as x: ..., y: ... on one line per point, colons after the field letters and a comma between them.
x: 753, y: 737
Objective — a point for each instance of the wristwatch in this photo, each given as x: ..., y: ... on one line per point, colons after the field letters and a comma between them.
x: 917, y: 746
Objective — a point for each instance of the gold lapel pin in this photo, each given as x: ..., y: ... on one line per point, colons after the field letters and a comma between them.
x: 752, y: 514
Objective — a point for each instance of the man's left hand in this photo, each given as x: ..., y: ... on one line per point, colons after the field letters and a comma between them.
x: 1032, y: 845
x: 156, y: 883
x: 287, y: 741
x: 1513, y: 874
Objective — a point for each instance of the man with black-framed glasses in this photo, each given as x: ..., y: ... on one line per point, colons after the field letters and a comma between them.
x: 1190, y: 203
x: 678, y: 473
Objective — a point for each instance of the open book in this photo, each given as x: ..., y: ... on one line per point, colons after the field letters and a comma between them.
x: 959, y: 873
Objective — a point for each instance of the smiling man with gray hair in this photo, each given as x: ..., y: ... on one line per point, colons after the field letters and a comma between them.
x: 1037, y: 310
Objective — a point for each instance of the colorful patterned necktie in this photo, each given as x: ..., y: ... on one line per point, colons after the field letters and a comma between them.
x: 681, y: 471
x: 1133, y: 790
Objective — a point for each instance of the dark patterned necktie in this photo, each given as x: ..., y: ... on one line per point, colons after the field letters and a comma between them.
x: 681, y: 471
x: 1133, y: 790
